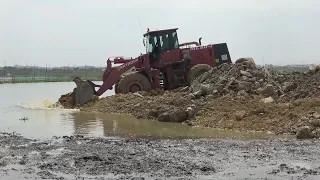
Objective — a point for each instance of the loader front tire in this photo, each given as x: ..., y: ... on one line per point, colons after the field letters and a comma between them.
x: 196, y: 71
x: 133, y: 82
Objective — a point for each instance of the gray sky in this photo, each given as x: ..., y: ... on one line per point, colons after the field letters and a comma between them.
x: 67, y: 32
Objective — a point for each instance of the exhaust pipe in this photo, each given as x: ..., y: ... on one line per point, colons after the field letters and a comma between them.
x: 200, y: 40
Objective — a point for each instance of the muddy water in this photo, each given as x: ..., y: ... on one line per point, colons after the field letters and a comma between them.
x: 33, y: 100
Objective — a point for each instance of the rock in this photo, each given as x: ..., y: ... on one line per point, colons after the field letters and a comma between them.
x: 268, y: 90
x: 281, y: 78
x: 315, y: 115
x: 215, y: 93
x: 304, y: 133
x: 205, y: 76
x: 316, y: 133
x: 240, y: 115
x: 191, y: 96
x: 190, y: 111
x: 244, y: 78
x: 248, y: 62
x: 267, y: 100
x: 137, y: 105
x: 197, y: 94
x: 312, y: 69
x: 137, y: 94
x: 315, y: 123
x: 256, y: 85
x: 225, y: 91
x: 243, y: 85
x: 206, y: 89
x: 210, y: 97
x: 246, y: 73
x: 289, y: 86
x: 184, y: 89
x: 242, y: 93
x: 220, y: 87
x: 174, y: 115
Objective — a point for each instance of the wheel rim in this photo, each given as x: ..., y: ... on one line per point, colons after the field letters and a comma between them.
x: 135, y: 87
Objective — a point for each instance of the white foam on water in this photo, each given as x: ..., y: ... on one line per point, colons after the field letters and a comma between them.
x: 45, y: 104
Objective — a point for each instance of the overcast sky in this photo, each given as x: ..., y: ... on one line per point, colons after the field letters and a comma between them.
x: 87, y: 32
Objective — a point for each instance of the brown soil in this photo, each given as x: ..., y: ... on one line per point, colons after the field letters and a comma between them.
x: 67, y: 100
x: 308, y: 85
x: 142, y: 105
x: 253, y: 115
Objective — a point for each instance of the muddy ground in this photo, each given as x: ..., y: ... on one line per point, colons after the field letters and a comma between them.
x: 98, y: 158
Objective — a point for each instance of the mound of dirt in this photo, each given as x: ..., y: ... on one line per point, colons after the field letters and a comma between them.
x: 241, y: 79
x: 67, y: 101
x: 166, y: 106
x: 252, y: 114
x: 307, y: 86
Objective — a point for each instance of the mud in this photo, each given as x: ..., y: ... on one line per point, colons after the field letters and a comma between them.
x: 100, y: 158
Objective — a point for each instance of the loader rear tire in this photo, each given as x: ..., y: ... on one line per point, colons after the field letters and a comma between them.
x: 196, y: 71
x: 133, y: 82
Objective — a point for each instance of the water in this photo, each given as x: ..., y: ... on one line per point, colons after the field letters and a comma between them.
x: 33, y: 100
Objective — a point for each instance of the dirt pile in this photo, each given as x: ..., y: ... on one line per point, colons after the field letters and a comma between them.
x: 240, y: 79
x: 243, y: 78
x: 253, y: 114
x: 231, y: 96
x: 166, y: 106
x: 66, y: 100
x: 306, y: 85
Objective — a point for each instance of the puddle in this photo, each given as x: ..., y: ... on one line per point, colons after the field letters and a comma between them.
x: 128, y: 126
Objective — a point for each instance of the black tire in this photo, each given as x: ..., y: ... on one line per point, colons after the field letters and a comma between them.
x: 116, y: 86
x: 133, y: 82
x: 196, y: 71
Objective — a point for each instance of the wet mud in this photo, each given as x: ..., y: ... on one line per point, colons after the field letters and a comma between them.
x: 78, y: 157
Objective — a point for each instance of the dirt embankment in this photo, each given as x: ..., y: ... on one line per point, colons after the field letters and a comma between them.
x: 232, y: 96
x: 166, y: 106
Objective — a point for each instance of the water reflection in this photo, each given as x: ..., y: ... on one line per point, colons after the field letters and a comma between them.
x: 128, y: 126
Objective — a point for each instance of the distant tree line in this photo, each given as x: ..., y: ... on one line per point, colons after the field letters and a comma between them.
x: 34, y: 73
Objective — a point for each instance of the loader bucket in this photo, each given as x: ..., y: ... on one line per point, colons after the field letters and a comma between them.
x: 84, y: 92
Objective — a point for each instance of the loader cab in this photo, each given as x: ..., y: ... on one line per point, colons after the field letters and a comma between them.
x: 160, y: 41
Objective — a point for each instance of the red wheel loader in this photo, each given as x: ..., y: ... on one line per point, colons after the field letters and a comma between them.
x: 165, y: 65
